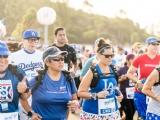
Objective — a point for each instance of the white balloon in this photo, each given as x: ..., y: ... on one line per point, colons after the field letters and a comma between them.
x: 46, y: 16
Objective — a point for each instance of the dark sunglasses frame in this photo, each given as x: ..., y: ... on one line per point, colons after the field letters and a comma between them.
x: 31, y: 40
x: 108, y: 55
x: 4, y: 56
x: 57, y: 59
x: 154, y: 44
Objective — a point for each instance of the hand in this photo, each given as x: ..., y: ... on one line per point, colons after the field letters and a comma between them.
x: 73, y: 74
x: 72, y: 104
x: 124, y: 77
x: 119, y: 97
x: 158, y: 98
x: 139, y: 85
x: 35, y: 116
x: 22, y: 86
x: 103, y: 94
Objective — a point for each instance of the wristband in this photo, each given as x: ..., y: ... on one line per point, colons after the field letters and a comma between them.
x: 77, y: 104
x: 27, y: 90
x: 155, y: 97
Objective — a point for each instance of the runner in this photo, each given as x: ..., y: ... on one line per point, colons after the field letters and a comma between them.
x: 54, y: 93
x: 127, y: 88
x: 136, y: 47
x: 119, y: 57
x: 29, y: 59
x: 152, y: 89
x: 60, y: 35
x: 146, y: 63
x: 94, y: 107
x: 12, y: 87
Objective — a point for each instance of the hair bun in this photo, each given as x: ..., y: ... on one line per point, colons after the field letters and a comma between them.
x: 101, y: 42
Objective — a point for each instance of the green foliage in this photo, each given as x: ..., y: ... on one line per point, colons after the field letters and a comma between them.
x: 81, y: 27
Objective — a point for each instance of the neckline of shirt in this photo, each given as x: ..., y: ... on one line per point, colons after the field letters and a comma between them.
x: 28, y: 52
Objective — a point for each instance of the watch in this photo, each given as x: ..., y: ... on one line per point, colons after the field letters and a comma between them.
x: 93, y: 96
x: 27, y: 90
x: 30, y: 113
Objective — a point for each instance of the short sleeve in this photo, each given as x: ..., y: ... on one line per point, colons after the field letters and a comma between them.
x: 119, y: 71
x: 74, y: 89
x: 74, y: 58
x: 136, y: 62
x: 32, y: 84
x: 86, y: 67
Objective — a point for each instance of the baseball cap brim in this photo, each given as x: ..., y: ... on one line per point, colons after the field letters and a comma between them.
x: 32, y: 37
x: 63, y: 53
x: 5, y: 53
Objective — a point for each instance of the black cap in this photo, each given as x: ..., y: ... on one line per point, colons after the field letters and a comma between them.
x: 52, y: 51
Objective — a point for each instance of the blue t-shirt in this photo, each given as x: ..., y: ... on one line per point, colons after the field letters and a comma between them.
x: 9, y: 96
x: 51, y: 97
x: 91, y: 105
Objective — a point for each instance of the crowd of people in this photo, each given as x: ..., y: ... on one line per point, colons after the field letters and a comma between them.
x: 45, y: 82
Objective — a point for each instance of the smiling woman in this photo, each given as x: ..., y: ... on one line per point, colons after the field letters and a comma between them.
x: 53, y: 94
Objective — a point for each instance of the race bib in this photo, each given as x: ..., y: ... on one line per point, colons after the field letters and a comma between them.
x: 147, y: 100
x: 9, y: 116
x: 106, y: 106
x: 130, y: 92
x: 65, y: 66
x: 6, y: 93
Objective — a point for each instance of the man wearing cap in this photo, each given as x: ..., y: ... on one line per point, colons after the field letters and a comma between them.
x: 146, y: 63
x: 13, y: 87
x: 29, y: 59
x: 136, y: 47
x: 60, y: 35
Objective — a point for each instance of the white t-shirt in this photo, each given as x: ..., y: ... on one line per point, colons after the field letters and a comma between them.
x: 119, y: 59
x: 29, y: 62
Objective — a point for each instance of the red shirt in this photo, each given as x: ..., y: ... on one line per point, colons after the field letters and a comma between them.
x: 146, y: 65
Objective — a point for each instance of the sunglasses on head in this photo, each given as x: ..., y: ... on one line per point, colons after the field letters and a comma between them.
x: 57, y: 59
x: 154, y: 44
x: 4, y: 56
x: 108, y: 55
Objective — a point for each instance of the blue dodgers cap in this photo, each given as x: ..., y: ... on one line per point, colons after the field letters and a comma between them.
x: 3, y: 48
x: 11, y: 39
x: 30, y: 33
x: 151, y: 39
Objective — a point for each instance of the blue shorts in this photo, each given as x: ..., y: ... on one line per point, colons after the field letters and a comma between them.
x: 151, y: 116
x: 140, y: 104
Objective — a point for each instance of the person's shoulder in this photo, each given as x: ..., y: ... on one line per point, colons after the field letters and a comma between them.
x: 38, y: 52
x: 17, y: 52
x: 158, y: 56
x: 69, y: 47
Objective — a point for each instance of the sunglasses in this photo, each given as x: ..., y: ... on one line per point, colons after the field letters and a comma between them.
x: 4, y: 56
x: 154, y: 44
x: 107, y: 55
x: 31, y: 40
x: 57, y: 59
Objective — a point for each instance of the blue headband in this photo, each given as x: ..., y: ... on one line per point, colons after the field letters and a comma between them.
x: 107, y: 46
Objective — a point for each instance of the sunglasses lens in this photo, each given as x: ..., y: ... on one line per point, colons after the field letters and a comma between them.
x: 56, y: 59
x: 112, y: 56
x: 4, y: 56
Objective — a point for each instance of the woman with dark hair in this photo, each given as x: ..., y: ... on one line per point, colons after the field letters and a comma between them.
x: 12, y: 46
x: 100, y: 101
x: 52, y: 92
x: 127, y: 88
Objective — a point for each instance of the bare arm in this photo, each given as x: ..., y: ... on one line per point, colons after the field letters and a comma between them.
x: 151, y: 80
x: 74, y: 67
x: 130, y: 73
x: 85, y: 84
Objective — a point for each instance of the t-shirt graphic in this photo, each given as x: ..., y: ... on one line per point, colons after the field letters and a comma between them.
x: 6, y: 93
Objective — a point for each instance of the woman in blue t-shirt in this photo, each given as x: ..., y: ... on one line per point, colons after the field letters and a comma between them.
x: 13, y: 85
x: 100, y: 102
x: 53, y: 94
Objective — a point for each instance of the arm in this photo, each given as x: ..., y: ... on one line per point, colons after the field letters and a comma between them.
x: 130, y: 73
x: 151, y: 80
x: 84, y: 86
x: 25, y: 96
x: 123, y: 78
